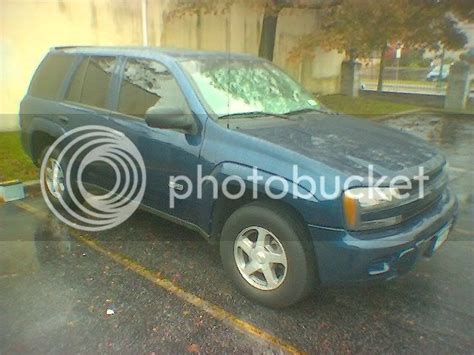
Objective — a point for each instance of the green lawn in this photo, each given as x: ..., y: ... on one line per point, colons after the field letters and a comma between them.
x: 358, y: 106
x: 14, y: 163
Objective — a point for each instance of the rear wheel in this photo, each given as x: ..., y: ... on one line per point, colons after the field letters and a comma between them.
x: 267, y: 253
x: 55, y: 180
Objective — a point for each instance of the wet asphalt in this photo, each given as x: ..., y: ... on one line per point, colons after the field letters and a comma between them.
x: 56, y: 291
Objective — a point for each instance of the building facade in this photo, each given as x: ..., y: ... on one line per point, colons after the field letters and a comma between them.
x: 29, y: 28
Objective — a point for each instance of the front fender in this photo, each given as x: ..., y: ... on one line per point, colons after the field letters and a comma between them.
x: 234, y: 176
x: 244, y: 172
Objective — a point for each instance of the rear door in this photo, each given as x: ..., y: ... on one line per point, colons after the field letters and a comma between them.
x: 146, y: 83
x: 87, y: 102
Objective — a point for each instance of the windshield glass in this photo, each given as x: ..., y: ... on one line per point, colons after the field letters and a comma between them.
x: 237, y: 86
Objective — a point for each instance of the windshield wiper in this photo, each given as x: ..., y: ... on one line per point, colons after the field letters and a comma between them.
x: 304, y: 110
x: 253, y: 114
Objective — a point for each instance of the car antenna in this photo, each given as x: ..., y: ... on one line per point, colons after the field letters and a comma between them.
x: 228, y: 100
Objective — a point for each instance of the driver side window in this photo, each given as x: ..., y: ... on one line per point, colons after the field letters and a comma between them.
x: 147, y: 83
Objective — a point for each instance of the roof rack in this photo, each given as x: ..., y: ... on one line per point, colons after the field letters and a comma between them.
x: 65, y: 47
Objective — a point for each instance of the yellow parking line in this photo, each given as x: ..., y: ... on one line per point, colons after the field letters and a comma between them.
x: 153, y: 276
x: 33, y: 210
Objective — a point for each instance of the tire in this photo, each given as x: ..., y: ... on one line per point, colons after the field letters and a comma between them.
x: 66, y: 191
x: 290, y: 284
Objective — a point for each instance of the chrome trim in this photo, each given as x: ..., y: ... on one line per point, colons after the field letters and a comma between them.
x: 405, y: 252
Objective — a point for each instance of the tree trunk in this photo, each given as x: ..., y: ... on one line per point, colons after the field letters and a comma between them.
x: 199, y: 29
x: 382, y: 67
x: 268, y: 34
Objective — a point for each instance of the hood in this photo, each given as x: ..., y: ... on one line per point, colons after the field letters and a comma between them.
x: 347, y: 144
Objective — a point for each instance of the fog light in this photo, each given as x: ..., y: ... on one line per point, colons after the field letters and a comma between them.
x: 379, y: 268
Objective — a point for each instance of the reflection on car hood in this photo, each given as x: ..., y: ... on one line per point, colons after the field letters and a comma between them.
x: 347, y: 144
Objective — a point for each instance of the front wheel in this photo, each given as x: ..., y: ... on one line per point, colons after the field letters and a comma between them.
x: 268, y: 255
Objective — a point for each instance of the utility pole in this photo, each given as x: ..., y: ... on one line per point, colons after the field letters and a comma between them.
x: 398, y: 55
x: 145, y: 22
x: 441, y: 64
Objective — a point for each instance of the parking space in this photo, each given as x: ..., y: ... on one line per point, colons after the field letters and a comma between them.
x: 151, y: 286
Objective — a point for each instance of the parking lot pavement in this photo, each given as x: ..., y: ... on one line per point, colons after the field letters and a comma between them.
x: 56, y: 293
x: 168, y: 293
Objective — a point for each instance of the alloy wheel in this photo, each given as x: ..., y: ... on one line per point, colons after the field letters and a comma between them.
x: 260, y: 258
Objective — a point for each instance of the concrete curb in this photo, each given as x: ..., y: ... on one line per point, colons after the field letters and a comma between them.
x: 452, y: 113
x: 31, y: 188
x: 403, y: 113
x: 11, y: 190
x: 424, y: 110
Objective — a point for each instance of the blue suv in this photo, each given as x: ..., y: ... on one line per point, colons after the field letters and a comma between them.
x: 201, y: 119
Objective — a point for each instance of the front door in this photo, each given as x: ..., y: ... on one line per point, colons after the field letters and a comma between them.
x: 166, y: 153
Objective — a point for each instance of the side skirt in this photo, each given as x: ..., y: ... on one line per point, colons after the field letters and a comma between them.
x: 176, y: 220
x: 163, y: 215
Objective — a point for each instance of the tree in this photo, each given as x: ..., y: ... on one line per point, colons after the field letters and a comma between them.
x: 270, y: 8
x: 360, y: 27
x: 462, y: 9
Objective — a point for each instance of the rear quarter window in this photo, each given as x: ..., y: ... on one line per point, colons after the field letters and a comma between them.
x: 50, y: 75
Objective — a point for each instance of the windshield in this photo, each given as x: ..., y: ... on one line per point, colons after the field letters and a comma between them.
x: 437, y: 68
x: 238, y: 86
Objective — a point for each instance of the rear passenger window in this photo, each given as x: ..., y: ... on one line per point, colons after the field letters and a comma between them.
x: 75, y: 86
x: 50, y: 75
x: 90, y: 83
x: 147, y: 83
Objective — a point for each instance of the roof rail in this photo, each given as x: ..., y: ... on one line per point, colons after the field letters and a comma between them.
x: 64, y: 47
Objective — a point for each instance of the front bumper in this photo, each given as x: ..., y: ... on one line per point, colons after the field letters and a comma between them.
x: 346, y: 257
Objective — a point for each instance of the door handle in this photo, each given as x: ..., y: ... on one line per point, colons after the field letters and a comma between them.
x: 63, y: 119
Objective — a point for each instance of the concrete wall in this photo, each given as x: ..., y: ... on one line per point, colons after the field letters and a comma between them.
x: 239, y: 31
x: 320, y: 73
x: 29, y: 28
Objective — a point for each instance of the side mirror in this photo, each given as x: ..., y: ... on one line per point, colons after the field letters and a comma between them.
x: 170, y: 118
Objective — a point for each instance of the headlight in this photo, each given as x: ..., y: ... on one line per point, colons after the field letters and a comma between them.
x: 363, y: 207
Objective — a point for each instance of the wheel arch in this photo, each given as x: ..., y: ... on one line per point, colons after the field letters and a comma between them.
x: 224, y: 206
x: 44, y: 133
